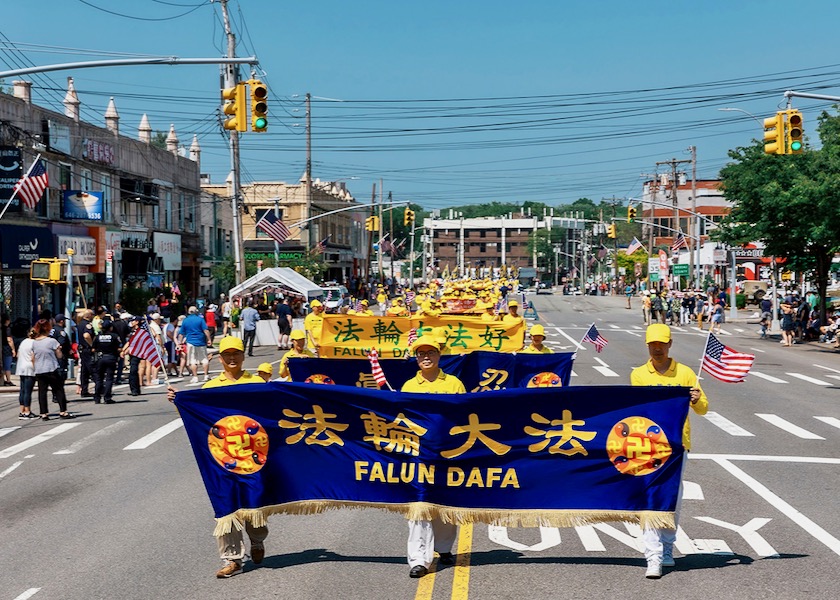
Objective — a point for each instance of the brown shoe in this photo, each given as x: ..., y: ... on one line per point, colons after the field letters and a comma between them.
x: 257, y: 552
x: 230, y: 569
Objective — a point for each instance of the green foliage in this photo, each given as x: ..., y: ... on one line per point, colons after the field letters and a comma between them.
x: 629, y: 262
x: 159, y: 139
x: 740, y: 301
x: 135, y: 300
x: 225, y: 273
x: 789, y: 202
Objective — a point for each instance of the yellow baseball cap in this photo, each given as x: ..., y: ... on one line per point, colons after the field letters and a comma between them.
x: 315, y: 303
x: 513, y: 303
x: 537, y: 330
x: 424, y: 340
x: 265, y: 368
x: 231, y: 343
x: 658, y: 332
x: 297, y: 334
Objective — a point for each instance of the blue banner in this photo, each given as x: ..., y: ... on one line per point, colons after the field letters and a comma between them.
x: 564, y: 456
x: 480, y: 371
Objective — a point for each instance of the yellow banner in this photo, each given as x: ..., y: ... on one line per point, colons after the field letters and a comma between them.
x: 353, y: 336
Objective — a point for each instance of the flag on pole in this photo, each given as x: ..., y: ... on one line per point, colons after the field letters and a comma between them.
x: 679, y: 242
x: 593, y: 337
x: 176, y: 289
x: 376, y: 368
x: 273, y: 227
x: 321, y: 246
x: 634, y: 245
x: 724, y: 363
x: 32, y: 185
x: 142, y: 344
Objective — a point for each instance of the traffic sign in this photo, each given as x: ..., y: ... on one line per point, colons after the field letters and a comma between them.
x: 681, y: 269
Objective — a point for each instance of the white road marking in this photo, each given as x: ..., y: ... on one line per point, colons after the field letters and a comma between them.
x: 28, y: 594
x: 727, y: 425
x: 574, y: 374
x: 739, y: 330
x: 789, y: 427
x: 614, y: 327
x: 11, y: 451
x: 636, y: 327
x: 147, y: 440
x: 692, y: 491
x: 8, y: 430
x: 758, y: 350
x: 808, y: 379
x: 769, y: 378
x: 604, y: 369
x: 94, y: 437
x: 566, y: 335
x: 834, y: 376
x: 826, y: 368
x: 749, y: 532
x: 817, y: 460
x: 834, y: 422
x: 549, y: 537
x: 10, y: 469
x: 789, y: 511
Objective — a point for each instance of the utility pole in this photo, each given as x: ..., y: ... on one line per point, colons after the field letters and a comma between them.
x: 308, y: 184
x: 674, y: 183
x: 276, y: 243
x: 696, y: 229
x: 231, y: 79
x: 391, y: 234
x: 381, y: 225
x: 370, y: 233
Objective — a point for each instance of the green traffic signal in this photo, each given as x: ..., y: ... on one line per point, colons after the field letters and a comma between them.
x: 796, y: 146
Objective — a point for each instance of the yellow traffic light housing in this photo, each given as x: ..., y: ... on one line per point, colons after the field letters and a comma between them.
x: 408, y: 217
x: 234, y: 108
x: 631, y: 214
x: 611, y: 231
x: 48, y: 270
x: 794, y: 143
x: 259, y: 106
x: 774, y: 134
x: 372, y: 223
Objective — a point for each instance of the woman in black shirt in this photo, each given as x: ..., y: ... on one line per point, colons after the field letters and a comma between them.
x: 107, y: 347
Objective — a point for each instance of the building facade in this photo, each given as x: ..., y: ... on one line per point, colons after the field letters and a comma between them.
x: 129, y: 209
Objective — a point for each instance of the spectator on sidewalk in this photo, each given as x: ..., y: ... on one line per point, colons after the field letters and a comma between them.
x: 249, y: 317
x: 26, y: 372
x: 194, y: 333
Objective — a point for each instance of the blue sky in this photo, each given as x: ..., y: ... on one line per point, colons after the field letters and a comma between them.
x: 451, y: 102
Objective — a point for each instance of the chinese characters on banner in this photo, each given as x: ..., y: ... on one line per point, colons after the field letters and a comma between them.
x: 352, y: 336
x: 569, y: 456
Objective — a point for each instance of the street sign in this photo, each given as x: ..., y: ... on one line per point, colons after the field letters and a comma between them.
x: 681, y: 269
x: 720, y: 256
x: 653, y: 275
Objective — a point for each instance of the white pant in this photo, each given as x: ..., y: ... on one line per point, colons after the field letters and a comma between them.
x: 426, y: 537
x: 656, y: 540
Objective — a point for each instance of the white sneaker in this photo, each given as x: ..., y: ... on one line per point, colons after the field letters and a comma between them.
x: 206, y: 378
x: 194, y: 380
x: 668, y: 557
x: 654, y: 569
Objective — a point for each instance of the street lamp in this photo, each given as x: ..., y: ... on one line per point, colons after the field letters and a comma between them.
x: 760, y: 122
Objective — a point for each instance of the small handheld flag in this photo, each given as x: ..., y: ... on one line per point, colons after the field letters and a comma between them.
x: 376, y: 369
x: 593, y: 337
x: 723, y: 363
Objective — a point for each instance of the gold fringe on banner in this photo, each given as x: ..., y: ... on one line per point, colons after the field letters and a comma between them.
x: 423, y: 511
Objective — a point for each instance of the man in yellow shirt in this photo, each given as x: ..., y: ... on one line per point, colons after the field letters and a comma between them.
x: 299, y: 350
x: 425, y: 537
x: 512, y: 317
x: 537, y: 337
x: 489, y: 313
x: 397, y: 309
x: 313, y: 323
x: 265, y: 371
x: 231, y: 545
x: 661, y: 369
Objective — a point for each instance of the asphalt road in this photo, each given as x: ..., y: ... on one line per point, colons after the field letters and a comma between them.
x: 111, y: 505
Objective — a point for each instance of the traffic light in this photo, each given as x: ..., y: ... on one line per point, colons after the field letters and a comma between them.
x: 372, y: 223
x: 235, y: 108
x: 611, y: 231
x: 631, y: 214
x: 259, y: 106
x: 408, y: 217
x: 794, y: 132
x: 774, y: 134
x: 48, y: 270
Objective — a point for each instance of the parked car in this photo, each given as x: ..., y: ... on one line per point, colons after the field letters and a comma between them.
x: 544, y: 288
x: 334, y: 297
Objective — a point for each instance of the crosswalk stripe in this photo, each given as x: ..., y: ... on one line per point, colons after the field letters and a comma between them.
x: 808, y: 379
x: 727, y: 425
x: 34, y: 441
x: 28, y: 594
x: 149, y: 439
x: 8, y: 430
x: 758, y: 350
x: 94, y: 437
x: 739, y: 330
x: 826, y: 368
x: 833, y: 421
x: 834, y: 376
x: 604, y: 369
x: 10, y: 469
x: 789, y: 427
x: 692, y: 491
x: 769, y: 378
x: 636, y: 327
x: 566, y: 335
x: 614, y: 327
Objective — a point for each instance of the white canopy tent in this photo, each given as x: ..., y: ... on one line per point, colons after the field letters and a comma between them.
x: 282, y: 278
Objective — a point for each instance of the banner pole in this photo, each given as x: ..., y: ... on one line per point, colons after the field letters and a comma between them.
x: 703, y: 358
x: 17, y: 187
x: 580, y: 343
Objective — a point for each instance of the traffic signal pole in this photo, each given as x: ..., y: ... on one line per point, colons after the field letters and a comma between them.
x: 68, y: 310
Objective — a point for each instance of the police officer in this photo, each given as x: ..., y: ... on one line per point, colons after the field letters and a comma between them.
x: 85, y: 341
x: 107, y: 347
x: 59, y: 334
x: 122, y: 329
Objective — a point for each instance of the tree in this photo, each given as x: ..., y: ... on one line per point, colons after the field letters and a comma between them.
x: 791, y: 203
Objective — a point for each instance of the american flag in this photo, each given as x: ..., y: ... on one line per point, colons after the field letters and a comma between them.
x: 412, y: 335
x: 634, y: 245
x: 142, y: 344
x: 376, y: 368
x: 679, y: 242
x: 409, y: 298
x: 274, y: 227
x: 32, y: 185
x: 176, y: 288
x: 321, y: 246
x: 593, y: 337
x: 359, y: 307
x: 724, y: 363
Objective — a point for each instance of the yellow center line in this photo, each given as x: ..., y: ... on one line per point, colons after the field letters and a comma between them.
x: 426, y: 585
x: 461, y: 581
